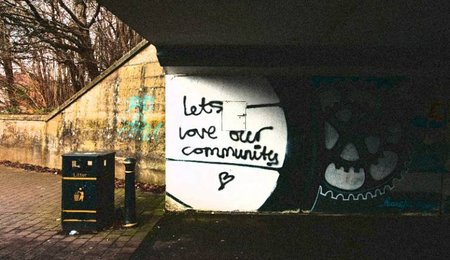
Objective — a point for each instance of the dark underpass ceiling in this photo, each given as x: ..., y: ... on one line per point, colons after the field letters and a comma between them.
x: 398, y: 34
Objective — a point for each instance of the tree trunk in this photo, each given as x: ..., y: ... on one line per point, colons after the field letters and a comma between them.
x: 89, y: 61
x: 6, y: 58
x: 86, y: 51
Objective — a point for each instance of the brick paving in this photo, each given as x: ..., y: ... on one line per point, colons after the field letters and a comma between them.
x: 30, y: 204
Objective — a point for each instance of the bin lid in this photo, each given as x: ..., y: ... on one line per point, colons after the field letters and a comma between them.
x: 89, y: 154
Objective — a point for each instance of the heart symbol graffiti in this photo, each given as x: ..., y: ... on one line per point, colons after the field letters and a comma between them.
x: 225, y: 178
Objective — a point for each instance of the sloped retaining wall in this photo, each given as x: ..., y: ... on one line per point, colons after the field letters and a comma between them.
x: 122, y: 110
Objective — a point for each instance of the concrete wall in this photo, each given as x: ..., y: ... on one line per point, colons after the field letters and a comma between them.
x: 23, y: 139
x: 122, y: 110
x: 331, y: 144
x: 307, y: 144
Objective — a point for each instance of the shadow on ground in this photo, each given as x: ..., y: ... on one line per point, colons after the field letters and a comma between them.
x: 211, y: 236
x: 30, y: 221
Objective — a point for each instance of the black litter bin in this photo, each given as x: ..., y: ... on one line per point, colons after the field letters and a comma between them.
x: 87, y: 202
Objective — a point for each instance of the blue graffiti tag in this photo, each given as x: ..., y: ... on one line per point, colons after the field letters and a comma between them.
x: 404, y: 204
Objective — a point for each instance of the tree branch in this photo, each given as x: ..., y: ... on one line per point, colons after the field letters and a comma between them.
x: 34, y: 11
x: 72, y: 15
x: 94, y: 17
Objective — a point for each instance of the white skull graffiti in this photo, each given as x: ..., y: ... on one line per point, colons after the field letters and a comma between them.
x: 361, y: 143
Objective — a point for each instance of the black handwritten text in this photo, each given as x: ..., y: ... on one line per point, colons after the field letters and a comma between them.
x: 242, y: 136
x: 224, y: 178
x: 207, y: 108
x: 196, y: 132
x: 258, y: 153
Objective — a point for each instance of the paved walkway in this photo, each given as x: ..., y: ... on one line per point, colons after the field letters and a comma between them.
x: 30, y: 229
x: 30, y: 204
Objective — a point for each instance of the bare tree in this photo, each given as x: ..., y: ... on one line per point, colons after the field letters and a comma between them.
x: 57, y: 25
x: 57, y: 46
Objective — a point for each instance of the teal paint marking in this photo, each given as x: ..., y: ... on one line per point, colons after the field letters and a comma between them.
x: 142, y: 104
x: 133, y: 103
x: 139, y: 126
x: 148, y: 103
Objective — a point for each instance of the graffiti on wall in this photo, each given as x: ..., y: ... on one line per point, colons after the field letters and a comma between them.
x: 363, y: 140
x: 431, y: 151
x: 226, y: 140
x: 243, y: 144
x: 137, y: 123
x: 355, y: 145
x: 224, y: 178
x: 408, y: 204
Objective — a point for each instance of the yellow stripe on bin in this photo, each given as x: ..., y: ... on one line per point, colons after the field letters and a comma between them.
x: 80, y: 178
x: 79, y: 220
x: 79, y: 211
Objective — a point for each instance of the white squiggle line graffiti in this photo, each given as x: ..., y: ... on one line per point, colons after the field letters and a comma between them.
x: 360, y: 196
x: 356, y: 197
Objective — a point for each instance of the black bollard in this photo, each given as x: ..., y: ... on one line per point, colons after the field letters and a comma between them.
x: 130, y: 193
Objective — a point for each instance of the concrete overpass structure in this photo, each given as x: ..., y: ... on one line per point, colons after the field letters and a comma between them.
x: 302, y: 105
